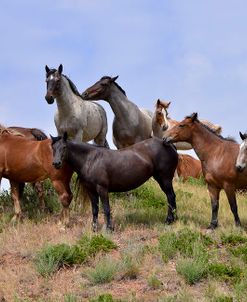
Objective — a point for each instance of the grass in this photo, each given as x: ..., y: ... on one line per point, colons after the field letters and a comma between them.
x: 104, y: 272
x: 152, y: 262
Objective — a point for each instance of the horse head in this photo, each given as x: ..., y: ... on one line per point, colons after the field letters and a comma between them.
x: 99, y: 90
x: 242, y: 155
x: 182, y: 132
x: 161, y: 113
x: 53, y: 77
x: 59, y: 148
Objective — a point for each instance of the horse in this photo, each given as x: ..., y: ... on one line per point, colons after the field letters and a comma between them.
x: 188, y: 166
x: 31, y: 134
x: 218, y: 156
x: 241, y: 159
x: 82, y: 120
x: 102, y: 170
x: 131, y: 124
x: 23, y: 160
x: 161, y: 122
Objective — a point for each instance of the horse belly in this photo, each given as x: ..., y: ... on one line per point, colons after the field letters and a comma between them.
x: 129, y: 180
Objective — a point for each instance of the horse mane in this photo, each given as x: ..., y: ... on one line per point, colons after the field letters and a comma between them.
x: 71, y: 84
x: 228, y: 138
x: 7, y: 130
x: 116, y: 84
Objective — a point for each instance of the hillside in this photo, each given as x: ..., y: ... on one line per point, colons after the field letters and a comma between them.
x: 142, y: 260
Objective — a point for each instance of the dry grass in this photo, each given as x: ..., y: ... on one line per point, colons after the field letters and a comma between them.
x: 19, y: 280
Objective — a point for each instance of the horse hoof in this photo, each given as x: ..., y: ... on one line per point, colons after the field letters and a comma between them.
x: 95, y: 227
x: 212, y: 226
x: 169, y: 220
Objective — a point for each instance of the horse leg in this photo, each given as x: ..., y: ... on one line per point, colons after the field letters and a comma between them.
x: 16, y: 192
x: 79, y: 136
x: 100, y: 140
x: 65, y: 197
x: 231, y: 196
x: 104, y: 197
x: 214, y: 194
x: 40, y: 191
x: 94, y: 197
x: 167, y: 187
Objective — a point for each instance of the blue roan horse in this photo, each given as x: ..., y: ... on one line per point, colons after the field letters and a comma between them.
x: 103, y: 170
x: 83, y: 120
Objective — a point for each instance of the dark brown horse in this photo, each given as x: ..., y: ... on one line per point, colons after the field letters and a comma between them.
x: 218, y: 156
x: 102, y: 170
x: 23, y: 160
x: 188, y: 166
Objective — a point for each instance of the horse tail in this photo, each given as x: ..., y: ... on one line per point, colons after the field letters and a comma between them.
x: 81, y: 196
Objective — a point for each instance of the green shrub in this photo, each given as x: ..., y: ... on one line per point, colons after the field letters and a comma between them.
x: 183, y: 241
x: 196, y: 181
x: 106, y: 298
x: 70, y: 298
x: 233, y: 239
x: 51, y: 258
x: 224, y: 271
x: 103, y: 272
x: 240, y: 251
x: 192, y: 270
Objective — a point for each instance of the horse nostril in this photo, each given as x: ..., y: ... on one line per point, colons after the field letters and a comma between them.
x: 239, y: 168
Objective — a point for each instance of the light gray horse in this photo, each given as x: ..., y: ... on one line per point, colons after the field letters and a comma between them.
x: 82, y: 120
x: 131, y: 124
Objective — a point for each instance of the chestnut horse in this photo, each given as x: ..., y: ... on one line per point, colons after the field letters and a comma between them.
x: 218, y: 156
x: 188, y: 166
x: 161, y: 122
x: 23, y: 160
x: 31, y: 134
x: 102, y: 170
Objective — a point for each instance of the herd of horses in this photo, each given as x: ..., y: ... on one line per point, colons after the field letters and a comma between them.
x: 146, y: 143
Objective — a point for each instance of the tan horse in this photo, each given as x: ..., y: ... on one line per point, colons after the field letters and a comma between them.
x: 188, y: 166
x: 218, y: 156
x: 23, y: 160
x: 161, y: 122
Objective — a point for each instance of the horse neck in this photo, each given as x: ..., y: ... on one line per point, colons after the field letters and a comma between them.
x: 204, y: 142
x: 119, y: 103
x: 77, y: 154
x: 66, y: 96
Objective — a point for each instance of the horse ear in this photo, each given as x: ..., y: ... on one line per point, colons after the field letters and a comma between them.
x: 65, y: 136
x: 158, y: 102
x: 47, y: 69
x: 52, y: 138
x: 243, y: 136
x: 60, y: 69
x: 168, y: 104
x: 114, y: 79
x: 194, y: 116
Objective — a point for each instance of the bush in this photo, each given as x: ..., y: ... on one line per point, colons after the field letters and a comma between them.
x: 233, y: 239
x: 154, y: 282
x: 224, y: 271
x: 183, y: 241
x: 103, y: 272
x: 51, y: 258
x: 192, y: 270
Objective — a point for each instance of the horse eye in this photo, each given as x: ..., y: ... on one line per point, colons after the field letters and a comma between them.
x: 103, y: 84
x: 181, y: 126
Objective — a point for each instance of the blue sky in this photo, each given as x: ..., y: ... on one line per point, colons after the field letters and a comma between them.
x: 193, y: 53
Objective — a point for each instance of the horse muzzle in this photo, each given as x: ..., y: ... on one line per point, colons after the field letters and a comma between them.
x: 85, y: 95
x: 49, y: 99
x: 240, y: 168
x: 57, y: 165
x: 167, y: 139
